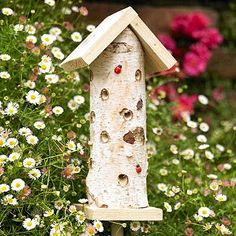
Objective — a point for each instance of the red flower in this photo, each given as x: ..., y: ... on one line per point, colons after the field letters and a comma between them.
x: 210, y: 37
x: 184, y: 105
x: 201, y: 50
x: 168, y: 42
x: 168, y: 89
x: 187, y: 24
x: 193, y: 64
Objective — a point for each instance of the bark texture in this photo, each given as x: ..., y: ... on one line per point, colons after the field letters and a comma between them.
x: 118, y: 162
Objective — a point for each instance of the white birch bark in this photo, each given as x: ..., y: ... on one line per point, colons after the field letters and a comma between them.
x: 118, y: 126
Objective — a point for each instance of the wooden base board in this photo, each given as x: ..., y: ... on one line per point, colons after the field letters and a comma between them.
x: 122, y: 214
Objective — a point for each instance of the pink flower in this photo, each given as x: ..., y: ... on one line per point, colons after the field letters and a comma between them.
x: 193, y: 64
x: 201, y: 50
x: 168, y: 89
x: 184, y: 105
x: 189, y: 23
x: 167, y: 41
x: 210, y: 37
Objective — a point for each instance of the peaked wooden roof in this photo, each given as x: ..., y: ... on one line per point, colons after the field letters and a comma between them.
x: 157, y: 57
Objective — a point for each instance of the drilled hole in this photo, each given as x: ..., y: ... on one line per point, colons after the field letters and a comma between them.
x: 127, y: 114
x: 138, y: 75
x: 139, y: 104
x: 123, y: 179
x: 129, y: 137
x: 104, y: 94
x: 92, y: 116
x: 104, y: 137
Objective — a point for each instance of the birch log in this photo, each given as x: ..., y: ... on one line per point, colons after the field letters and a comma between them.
x: 118, y: 162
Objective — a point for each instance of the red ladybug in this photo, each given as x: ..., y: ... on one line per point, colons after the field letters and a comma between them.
x: 117, y: 70
x: 138, y: 169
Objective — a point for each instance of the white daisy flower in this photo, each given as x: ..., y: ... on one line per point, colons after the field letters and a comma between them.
x: 177, y: 206
x: 59, y: 55
x: 73, y: 105
x: 175, y: 161
x: 55, y: 31
x: 48, y: 213
x: 30, y: 84
x: 66, y: 11
x: 90, y: 28
x: 32, y: 139
x: 17, y: 185
x: 83, y: 200
x: 227, y: 166
x: 71, y: 145
x: 212, y: 176
x: 29, y: 224
x: 12, y: 142
x: 42, y: 99
x: 57, y: 110
x: 214, y: 186
x: 11, y: 109
x: 209, y: 155
x: 7, y: 11
x: 39, y: 125
x: 50, y: 2
x: 203, y: 99
x: 4, y: 188
x: 204, y: 212
x: 198, y: 218
x: 47, y: 39
x: 14, y: 156
x: 52, y: 78
x: 79, y: 99
x: 202, y: 138
x: 5, y: 57
x: 33, y: 97
x: 162, y: 187
x: 80, y: 218
x: 5, y: 75
x: 220, y: 147
x: 30, y: 29
x: 2, y: 141
x: 203, y: 146
x: 221, y: 197
x: 29, y: 162
x: 76, y: 37
x: 192, y: 124
x: 31, y: 39
x: 175, y: 189
x: 98, y: 226
x: 187, y: 154
x: 18, y: 27
x: 34, y: 174
x: 134, y: 226
x: 168, y: 207
x: 173, y: 149
x: 24, y: 131
x: 9, y: 200
x: 75, y: 8
x: 204, y: 127
x: 72, y: 209
x: 3, y: 159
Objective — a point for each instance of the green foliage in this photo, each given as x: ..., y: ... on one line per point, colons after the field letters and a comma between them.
x: 43, y: 166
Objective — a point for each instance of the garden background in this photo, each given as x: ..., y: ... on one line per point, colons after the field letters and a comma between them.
x: 44, y: 119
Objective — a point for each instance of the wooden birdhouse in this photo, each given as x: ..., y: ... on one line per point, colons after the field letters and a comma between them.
x: 119, y: 52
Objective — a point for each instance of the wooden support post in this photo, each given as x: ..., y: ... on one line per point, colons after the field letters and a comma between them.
x: 116, y: 230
